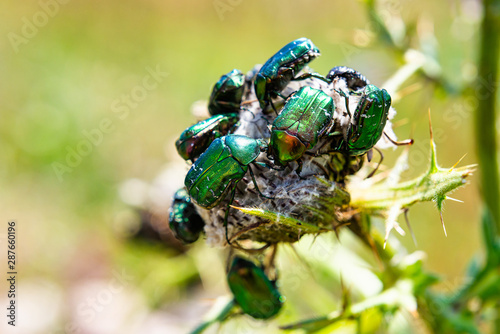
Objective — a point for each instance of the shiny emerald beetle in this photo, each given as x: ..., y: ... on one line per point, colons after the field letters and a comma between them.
x: 354, y: 80
x: 369, y: 120
x: 227, y: 93
x: 306, y: 115
x: 184, y: 221
x: 218, y: 170
x: 281, y: 68
x: 196, y: 139
x: 256, y: 294
x: 221, y: 167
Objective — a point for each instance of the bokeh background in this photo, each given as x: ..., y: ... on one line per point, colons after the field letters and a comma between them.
x: 78, y: 71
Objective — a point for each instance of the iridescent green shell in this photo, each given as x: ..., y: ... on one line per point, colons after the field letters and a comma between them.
x: 253, y: 291
x: 196, y: 139
x: 370, y: 118
x: 305, y: 116
x: 282, y: 67
x: 220, y: 167
x: 227, y: 93
x: 184, y: 221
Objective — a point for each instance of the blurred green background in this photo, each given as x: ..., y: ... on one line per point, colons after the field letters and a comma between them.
x: 77, y: 67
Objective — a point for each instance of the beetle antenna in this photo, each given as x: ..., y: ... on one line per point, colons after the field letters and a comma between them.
x: 399, y: 143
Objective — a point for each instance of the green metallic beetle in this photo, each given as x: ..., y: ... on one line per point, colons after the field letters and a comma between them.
x: 369, y: 120
x: 220, y: 168
x: 256, y: 294
x: 227, y: 93
x: 306, y: 115
x: 184, y: 221
x: 196, y: 139
x: 281, y: 68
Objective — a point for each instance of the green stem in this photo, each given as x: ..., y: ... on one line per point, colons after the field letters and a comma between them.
x: 486, y: 91
x: 373, y: 240
x: 218, y: 316
x: 485, y: 118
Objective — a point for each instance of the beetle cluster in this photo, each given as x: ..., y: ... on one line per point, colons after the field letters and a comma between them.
x: 283, y: 139
x: 271, y: 134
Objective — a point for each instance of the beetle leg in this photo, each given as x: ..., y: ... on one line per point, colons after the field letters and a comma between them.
x: 318, y: 150
x: 272, y: 106
x: 251, y: 250
x: 255, y: 183
x: 246, y: 229
x: 270, y: 263
x: 320, y: 166
x: 248, y: 110
x: 261, y: 118
x: 233, y: 192
x: 311, y: 75
x: 346, y: 97
x: 378, y: 165
x: 241, y: 192
x: 281, y: 95
x: 263, y: 164
x: 399, y: 143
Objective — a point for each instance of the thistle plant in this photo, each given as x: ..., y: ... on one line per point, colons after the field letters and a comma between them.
x: 330, y: 192
x: 330, y: 201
